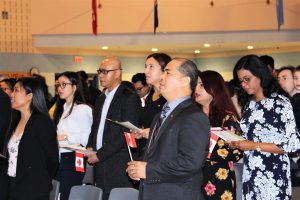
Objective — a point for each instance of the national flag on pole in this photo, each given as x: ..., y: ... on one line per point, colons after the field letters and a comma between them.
x: 155, y: 16
x: 130, y: 139
x: 94, y: 17
x: 79, y: 162
x: 280, y: 17
x: 213, y: 141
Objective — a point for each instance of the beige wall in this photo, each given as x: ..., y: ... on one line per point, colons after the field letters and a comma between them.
x: 134, y: 16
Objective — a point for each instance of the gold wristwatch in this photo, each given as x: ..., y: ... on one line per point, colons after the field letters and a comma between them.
x: 258, y: 148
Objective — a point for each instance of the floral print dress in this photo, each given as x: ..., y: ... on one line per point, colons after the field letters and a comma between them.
x: 267, y: 175
x: 219, y: 176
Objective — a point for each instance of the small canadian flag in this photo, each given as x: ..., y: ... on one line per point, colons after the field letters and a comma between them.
x: 130, y: 140
x: 213, y: 141
x: 79, y: 162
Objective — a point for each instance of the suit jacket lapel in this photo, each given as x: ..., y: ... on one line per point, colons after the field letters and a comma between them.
x: 114, y: 100
x: 169, y: 121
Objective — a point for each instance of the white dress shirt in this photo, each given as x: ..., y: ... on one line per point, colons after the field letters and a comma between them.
x: 77, y: 126
x: 109, y: 96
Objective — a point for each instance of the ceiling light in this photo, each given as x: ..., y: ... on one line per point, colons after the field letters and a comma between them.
x: 250, y: 47
x: 104, y: 47
x: 206, y: 45
x: 197, y: 51
x: 154, y: 49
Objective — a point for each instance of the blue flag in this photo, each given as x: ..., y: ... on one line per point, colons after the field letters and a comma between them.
x: 280, y: 18
x: 155, y: 16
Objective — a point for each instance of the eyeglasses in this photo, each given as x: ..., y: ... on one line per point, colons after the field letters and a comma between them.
x: 105, y: 72
x: 245, y: 80
x: 62, y: 85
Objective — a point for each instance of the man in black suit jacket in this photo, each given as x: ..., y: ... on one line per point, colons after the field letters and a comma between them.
x: 118, y: 103
x: 5, y: 110
x: 177, y: 151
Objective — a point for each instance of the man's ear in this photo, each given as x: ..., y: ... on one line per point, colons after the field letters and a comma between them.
x: 186, y: 80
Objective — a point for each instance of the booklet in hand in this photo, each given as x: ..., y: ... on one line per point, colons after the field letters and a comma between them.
x: 226, y: 135
x: 126, y: 124
x: 77, y: 148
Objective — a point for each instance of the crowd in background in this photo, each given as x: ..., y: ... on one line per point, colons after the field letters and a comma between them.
x: 260, y: 103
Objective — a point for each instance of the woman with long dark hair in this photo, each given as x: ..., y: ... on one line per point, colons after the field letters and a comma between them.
x: 73, y: 118
x: 32, y: 149
x: 214, y: 99
x: 269, y: 126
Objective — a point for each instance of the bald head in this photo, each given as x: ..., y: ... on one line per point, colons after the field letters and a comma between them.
x: 110, y: 73
x: 112, y: 61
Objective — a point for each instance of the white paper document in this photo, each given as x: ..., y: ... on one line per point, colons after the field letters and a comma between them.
x: 226, y: 135
x: 126, y: 124
x: 80, y: 149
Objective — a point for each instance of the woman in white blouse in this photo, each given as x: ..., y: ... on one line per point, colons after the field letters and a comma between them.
x: 74, y: 119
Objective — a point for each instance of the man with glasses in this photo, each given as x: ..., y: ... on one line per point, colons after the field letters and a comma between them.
x: 141, y: 86
x: 117, y: 103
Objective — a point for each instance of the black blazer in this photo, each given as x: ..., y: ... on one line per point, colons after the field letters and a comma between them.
x: 175, y: 161
x: 110, y: 171
x: 38, y: 158
x: 5, y: 110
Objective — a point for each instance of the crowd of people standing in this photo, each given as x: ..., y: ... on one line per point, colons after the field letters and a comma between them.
x: 175, y: 105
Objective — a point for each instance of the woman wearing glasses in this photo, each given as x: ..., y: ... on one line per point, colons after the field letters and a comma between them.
x: 73, y: 119
x: 269, y: 126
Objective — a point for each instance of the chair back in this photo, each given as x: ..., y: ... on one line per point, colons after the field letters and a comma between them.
x: 55, y: 190
x: 88, y: 178
x: 85, y: 192
x: 123, y: 194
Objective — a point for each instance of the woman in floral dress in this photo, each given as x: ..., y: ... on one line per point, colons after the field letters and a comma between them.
x: 213, y: 97
x: 269, y: 126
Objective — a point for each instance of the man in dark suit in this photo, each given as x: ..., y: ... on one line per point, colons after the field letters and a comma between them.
x: 177, y: 149
x: 118, y: 103
x: 5, y: 110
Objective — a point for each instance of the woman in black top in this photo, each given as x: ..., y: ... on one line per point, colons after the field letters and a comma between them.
x: 154, y: 67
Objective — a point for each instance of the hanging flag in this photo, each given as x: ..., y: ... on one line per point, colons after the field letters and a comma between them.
x: 213, y: 141
x: 94, y: 17
x: 280, y: 17
x: 79, y: 161
x: 130, y: 139
x: 155, y: 16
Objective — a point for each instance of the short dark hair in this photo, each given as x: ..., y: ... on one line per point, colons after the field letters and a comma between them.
x: 139, y: 77
x: 34, y: 86
x: 10, y: 82
x: 256, y: 66
x: 290, y: 68
x: 189, y: 69
x: 162, y: 58
x: 268, y: 60
x: 297, y: 69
